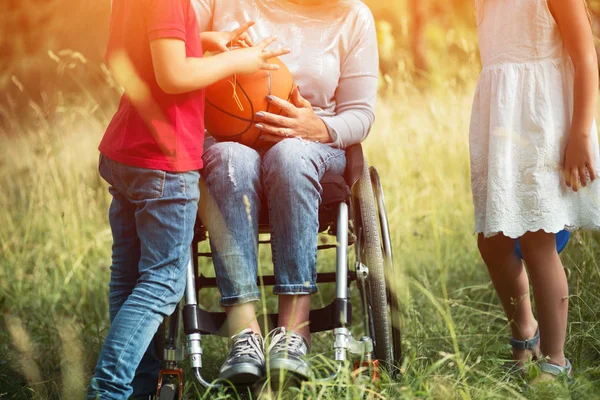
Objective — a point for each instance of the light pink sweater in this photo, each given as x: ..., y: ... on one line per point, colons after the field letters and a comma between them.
x: 334, y: 57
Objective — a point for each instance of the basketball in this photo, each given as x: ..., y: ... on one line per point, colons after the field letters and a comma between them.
x: 232, y: 103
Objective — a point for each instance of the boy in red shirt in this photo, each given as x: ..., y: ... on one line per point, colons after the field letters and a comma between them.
x: 151, y: 155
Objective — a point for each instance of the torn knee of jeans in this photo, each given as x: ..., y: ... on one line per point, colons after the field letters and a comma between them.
x: 230, y: 167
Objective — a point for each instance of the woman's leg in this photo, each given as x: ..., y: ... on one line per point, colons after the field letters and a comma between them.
x: 550, y: 290
x: 292, y: 171
x: 230, y: 207
x: 512, y: 285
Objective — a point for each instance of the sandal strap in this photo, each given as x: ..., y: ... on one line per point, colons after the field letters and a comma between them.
x: 528, y: 344
x: 556, y: 370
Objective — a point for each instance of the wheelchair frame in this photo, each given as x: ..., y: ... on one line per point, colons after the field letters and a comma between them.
x: 368, y: 231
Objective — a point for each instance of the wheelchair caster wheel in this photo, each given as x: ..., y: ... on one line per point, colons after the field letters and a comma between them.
x: 371, y: 367
x: 170, y: 385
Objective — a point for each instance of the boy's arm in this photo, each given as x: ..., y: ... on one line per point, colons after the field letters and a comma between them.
x: 176, y: 73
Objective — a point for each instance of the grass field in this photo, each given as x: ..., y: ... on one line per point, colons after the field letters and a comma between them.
x: 55, y: 256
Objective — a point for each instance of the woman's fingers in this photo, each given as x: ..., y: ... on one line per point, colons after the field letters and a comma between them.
x: 276, y: 130
x: 290, y: 109
x: 274, y: 119
x: 271, y: 138
x: 298, y: 100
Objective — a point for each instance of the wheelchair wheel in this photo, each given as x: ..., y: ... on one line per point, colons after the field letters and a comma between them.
x: 369, y: 253
x: 390, y: 273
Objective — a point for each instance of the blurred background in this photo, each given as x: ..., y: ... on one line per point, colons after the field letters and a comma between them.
x: 431, y: 40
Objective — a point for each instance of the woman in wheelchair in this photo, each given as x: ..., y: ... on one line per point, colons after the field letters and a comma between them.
x: 334, y: 61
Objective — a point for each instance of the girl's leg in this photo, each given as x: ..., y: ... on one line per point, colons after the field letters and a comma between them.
x: 550, y: 290
x: 512, y: 285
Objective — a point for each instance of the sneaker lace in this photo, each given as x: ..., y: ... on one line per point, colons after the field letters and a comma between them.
x: 247, y: 345
x: 282, y: 342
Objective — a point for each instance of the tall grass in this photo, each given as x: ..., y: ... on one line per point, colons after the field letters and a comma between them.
x: 55, y: 256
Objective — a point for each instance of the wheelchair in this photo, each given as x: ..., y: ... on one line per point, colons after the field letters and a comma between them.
x: 353, y: 211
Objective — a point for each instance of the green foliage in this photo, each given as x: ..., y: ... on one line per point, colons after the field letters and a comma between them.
x: 55, y: 253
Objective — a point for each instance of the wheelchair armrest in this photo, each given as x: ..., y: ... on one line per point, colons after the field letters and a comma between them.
x: 355, y: 162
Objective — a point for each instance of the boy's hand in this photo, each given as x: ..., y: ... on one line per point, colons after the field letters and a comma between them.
x: 578, y: 162
x: 251, y: 59
x: 224, y: 41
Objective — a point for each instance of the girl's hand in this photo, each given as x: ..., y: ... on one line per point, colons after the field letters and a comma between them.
x: 578, y: 162
x: 298, y: 120
x: 224, y: 41
x: 251, y: 59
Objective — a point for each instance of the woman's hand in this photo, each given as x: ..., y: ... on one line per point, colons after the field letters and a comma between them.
x: 298, y: 120
x: 578, y: 162
x: 224, y: 41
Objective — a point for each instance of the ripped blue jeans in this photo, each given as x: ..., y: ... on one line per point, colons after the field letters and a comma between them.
x: 152, y: 217
x: 238, y: 179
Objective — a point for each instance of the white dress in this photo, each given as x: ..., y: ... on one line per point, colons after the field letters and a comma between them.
x: 520, y: 125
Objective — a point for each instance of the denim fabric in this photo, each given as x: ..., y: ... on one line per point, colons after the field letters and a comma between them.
x: 152, y: 217
x: 237, y: 180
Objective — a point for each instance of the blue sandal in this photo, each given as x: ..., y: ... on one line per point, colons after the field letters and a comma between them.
x: 528, y: 344
x: 556, y: 370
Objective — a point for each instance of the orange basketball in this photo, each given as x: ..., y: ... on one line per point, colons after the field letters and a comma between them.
x: 232, y: 103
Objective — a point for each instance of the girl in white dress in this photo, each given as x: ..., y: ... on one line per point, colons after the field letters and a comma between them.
x: 534, y: 150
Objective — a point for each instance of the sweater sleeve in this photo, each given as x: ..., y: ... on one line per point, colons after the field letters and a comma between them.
x: 356, y: 93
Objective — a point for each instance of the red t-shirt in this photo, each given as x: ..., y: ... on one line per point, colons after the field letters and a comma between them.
x: 152, y: 129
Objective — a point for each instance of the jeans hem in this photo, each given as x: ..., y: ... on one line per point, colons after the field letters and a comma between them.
x: 238, y: 300
x: 294, y: 290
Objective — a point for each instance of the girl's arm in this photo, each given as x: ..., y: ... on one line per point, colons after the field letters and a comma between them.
x: 176, y: 73
x: 572, y: 19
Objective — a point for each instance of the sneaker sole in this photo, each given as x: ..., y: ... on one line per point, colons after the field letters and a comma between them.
x: 243, y: 375
x: 285, y: 374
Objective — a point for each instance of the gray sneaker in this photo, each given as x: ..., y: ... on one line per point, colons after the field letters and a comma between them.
x: 245, y: 363
x: 287, y: 355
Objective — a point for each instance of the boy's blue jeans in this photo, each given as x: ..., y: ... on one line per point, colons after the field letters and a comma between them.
x: 152, y: 218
